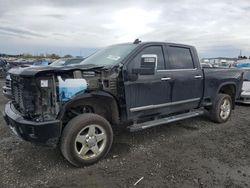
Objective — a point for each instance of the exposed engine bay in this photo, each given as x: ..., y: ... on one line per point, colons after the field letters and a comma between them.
x: 39, y: 98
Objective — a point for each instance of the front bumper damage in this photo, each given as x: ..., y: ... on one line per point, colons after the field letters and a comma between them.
x: 46, y: 133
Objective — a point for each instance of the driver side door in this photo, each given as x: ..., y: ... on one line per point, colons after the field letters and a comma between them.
x: 148, y: 94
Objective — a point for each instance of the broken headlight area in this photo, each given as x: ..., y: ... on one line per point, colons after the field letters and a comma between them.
x: 35, y: 98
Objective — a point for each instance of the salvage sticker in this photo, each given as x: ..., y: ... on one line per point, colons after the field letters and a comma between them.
x: 44, y: 83
x: 113, y: 57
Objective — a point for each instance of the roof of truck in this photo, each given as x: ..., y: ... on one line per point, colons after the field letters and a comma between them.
x: 162, y: 42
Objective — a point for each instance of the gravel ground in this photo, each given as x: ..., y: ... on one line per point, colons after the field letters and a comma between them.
x: 189, y: 153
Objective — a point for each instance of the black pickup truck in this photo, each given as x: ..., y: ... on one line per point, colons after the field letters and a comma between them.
x: 138, y: 85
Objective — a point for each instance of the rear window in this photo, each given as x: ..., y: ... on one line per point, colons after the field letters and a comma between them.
x: 180, y: 58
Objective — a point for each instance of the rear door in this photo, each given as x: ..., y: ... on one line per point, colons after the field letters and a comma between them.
x: 147, y: 93
x: 187, y: 77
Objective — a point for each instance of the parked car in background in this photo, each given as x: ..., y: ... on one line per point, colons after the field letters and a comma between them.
x: 1, y: 72
x: 66, y: 62
x: 3, y: 66
x: 245, y: 94
x: 42, y: 62
x: 244, y: 64
x: 206, y: 65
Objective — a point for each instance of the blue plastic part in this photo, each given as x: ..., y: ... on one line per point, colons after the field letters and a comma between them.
x: 70, y: 87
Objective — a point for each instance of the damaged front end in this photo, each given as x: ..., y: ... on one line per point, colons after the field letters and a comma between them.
x: 34, y: 100
x: 39, y: 97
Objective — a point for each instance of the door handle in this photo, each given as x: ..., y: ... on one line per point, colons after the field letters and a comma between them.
x: 197, y: 76
x: 165, y: 78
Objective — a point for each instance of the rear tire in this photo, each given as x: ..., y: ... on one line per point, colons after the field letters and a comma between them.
x: 221, y: 109
x: 86, y: 139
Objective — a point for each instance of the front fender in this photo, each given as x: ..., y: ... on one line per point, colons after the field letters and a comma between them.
x: 96, y: 96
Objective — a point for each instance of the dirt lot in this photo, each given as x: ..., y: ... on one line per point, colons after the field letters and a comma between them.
x: 190, y: 153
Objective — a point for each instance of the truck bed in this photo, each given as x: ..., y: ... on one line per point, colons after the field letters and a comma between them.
x: 215, y: 78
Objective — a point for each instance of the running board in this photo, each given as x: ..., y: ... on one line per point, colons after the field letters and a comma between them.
x: 153, y: 123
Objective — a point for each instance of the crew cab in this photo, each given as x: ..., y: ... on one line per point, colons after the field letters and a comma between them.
x: 138, y: 85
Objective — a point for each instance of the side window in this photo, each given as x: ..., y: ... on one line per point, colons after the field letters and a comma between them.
x: 180, y: 58
x: 135, y: 63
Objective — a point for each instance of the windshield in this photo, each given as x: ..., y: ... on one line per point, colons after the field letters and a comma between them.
x: 246, y: 76
x: 58, y: 62
x: 111, y: 55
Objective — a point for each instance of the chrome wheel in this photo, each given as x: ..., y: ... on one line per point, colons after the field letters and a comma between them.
x: 90, y: 142
x: 225, y: 109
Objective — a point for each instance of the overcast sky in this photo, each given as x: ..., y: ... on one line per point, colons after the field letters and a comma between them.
x: 216, y: 28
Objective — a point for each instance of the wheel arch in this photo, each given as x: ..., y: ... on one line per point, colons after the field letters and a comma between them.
x: 103, y: 104
x: 228, y: 88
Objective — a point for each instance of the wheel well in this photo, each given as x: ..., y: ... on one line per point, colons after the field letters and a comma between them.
x: 229, y: 90
x: 103, y: 106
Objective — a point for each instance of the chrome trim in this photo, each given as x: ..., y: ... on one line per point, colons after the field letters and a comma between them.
x: 166, y: 79
x: 171, y: 70
x: 149, y: 107
x: 198, y: 76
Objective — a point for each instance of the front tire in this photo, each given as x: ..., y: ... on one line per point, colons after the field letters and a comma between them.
x: 86, y: 139
x: 222, y: 108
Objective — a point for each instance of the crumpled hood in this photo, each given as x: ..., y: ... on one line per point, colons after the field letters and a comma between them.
x: 34, y: 70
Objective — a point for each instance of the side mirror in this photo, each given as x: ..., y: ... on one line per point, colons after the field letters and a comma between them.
x: 149, y: 61
x: 148, y: 65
